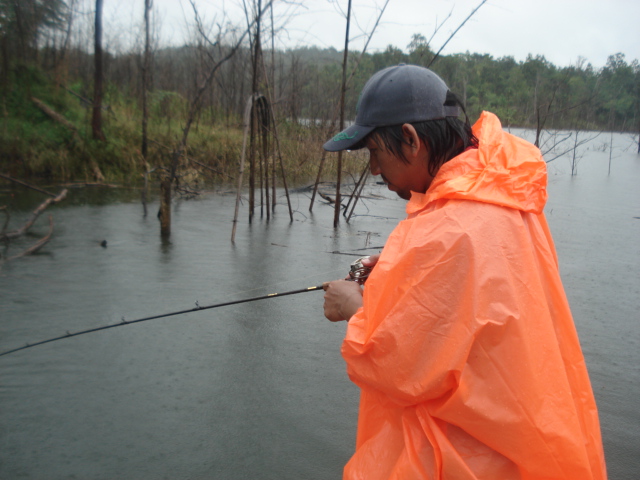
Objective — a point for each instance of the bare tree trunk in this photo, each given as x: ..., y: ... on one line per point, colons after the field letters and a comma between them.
x: 336, y: 214
x: 245, y: 130
x: 610, y: 139
x: 574, y: 159
x: 270, y: 121
x: 145, y: 107
x: 254, y: 93
x: 145, y: 78
x: 65, y: 44
x: 20, y: 26
x: 264, y: 137
x: 165, y: 206
x: 96, y: 120
x: 272, y: 96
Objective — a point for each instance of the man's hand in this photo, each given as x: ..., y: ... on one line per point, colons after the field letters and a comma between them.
x: 371, y: 260
x: 342, y: 299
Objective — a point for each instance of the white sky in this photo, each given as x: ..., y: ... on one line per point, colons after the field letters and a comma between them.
x: 561, y: 30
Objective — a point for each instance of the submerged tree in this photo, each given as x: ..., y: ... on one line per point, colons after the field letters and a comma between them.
x: 96, y: 119
x: 194, y: 108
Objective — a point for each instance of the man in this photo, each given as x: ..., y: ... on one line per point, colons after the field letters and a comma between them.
x: 461, y: 341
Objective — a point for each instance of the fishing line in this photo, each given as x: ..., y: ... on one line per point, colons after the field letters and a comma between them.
x: 197, y: 308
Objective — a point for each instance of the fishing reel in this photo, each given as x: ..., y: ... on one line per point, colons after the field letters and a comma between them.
x: 359, y: 273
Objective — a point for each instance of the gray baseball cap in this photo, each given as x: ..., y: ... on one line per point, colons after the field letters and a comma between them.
x: 394, y: 96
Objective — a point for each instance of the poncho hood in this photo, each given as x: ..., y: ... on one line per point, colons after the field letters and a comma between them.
x: 504, y: 170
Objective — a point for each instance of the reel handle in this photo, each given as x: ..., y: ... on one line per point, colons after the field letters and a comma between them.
x: 359, y: 273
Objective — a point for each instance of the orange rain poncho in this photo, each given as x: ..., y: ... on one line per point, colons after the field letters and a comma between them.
x: 465, y: 349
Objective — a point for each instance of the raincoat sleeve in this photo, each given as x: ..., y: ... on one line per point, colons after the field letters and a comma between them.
x: 408, y: 341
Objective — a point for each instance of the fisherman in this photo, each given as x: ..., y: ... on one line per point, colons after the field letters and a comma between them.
x: 461, y: 341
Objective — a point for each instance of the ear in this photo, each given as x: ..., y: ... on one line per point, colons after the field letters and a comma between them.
x: 411, y: 138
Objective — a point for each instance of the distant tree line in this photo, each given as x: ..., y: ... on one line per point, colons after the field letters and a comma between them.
x: 521, y: 93
x: 307, y: 79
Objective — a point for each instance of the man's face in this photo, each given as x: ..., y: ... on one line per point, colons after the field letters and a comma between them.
x: 401, y: 177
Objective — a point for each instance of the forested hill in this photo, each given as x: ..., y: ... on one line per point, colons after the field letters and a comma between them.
x: 521, y: 93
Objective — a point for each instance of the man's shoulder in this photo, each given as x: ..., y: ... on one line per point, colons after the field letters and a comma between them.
x: 455, y: 217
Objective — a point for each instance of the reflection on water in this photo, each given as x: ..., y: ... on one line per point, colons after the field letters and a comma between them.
x: 256, y: 390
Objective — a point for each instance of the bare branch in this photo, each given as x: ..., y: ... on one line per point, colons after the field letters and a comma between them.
x: 200, y: 26
x: 456, y: 31
x: 56, y: 117
x: 375, y: 26
x: 575, y: 145
x: 20, y: 182
x: 337, y: 108
x: 38, y: 245
x: 34, y: 216
x: 196, y: 101
x: 438, y: 27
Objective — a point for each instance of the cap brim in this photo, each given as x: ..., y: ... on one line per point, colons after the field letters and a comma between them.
x: 348, y: 138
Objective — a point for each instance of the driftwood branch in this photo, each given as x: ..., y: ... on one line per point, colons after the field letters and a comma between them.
x: 89, y: 184
x: 209, y: 168
x: 55, y: 116
x: 38, y: 245
x: 7, y: 217
x: 20, y: 182
x: 34, y: 216
x: 326, y: 197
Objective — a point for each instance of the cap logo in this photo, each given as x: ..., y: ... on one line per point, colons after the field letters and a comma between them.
x: 344, y: 136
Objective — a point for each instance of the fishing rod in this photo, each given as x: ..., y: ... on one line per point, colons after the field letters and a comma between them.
x: 197, y: 308
x: 358, y: 273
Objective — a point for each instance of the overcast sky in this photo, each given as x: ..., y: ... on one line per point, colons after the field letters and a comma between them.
x: 561, y: 30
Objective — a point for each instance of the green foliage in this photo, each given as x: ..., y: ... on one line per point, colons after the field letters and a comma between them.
x: 21, y: 23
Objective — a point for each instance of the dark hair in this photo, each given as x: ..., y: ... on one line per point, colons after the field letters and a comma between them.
x: 445, y: 138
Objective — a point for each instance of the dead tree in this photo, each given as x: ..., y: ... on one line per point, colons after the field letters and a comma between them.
x: 343, y: 90
x: 33, y: 217
x: 338, y: 110
x: 146, y: 64
x: 55, y: 116
x: 255, y: 71
x: 246, y: 126
x: 36, y: 246
x: 358, y: 187
x: 96, y: 120
x: 6, y: 236
x: 167, y: 182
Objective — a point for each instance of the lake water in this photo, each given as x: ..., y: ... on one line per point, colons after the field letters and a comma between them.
x: 258, y: 390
